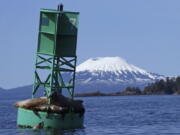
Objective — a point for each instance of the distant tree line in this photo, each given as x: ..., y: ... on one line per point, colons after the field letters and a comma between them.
x: 132, y: 91
x: 167, y: 86
x: 164, y: 86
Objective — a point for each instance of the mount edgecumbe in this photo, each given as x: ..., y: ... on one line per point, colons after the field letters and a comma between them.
x: 111, y: 74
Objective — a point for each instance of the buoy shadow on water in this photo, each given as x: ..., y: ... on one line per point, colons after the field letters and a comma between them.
x: 49, y: 131
x: 42, y: 131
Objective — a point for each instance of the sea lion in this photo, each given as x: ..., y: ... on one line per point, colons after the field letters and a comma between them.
x: 64, y: 102
x: 59, y: 104
x: 30, y: 103
x: 51, y: 108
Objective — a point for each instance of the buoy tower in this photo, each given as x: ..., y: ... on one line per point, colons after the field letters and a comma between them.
x: 54, y: 68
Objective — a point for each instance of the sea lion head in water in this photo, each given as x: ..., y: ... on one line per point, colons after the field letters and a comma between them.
x: 39, y: 125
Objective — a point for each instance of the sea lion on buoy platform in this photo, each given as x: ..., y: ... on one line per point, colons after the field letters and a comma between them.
x: 64, y: 102
x: 30, y: 103
x: 59, y: 104
x: 51, y: 108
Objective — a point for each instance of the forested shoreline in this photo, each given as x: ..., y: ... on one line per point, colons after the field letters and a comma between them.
x: 166, y: 86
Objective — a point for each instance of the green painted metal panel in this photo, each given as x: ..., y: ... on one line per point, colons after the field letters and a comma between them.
x: 47, y: 33
x: 67, y: 35
x: 48, y: 22
x: 29, y: 118
x: 68, y: 24
x: 58, y: 33
x: 50, y: 11
x: 46, y: 44
x: 66, y: 46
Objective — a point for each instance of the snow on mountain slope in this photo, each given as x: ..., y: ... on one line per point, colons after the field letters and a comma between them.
x: 111, y: 74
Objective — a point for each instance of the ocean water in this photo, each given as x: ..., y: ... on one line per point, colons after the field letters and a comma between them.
x: 123, y: 115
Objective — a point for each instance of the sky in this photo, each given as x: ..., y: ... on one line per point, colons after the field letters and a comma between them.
x: 144, y: 32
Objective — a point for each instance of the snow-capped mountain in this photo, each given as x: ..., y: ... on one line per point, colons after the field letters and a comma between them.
x: 111, y: 74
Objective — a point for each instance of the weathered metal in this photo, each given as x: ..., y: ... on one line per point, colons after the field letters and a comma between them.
x: 29, y: 119
x: 56, y: 52
x: 55, y: 57
x: 58, y: 33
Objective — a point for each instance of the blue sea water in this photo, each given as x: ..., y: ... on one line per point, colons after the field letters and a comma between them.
x: 123, y: 115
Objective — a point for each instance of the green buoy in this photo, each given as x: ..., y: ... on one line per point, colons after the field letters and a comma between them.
x: 54, y: 72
